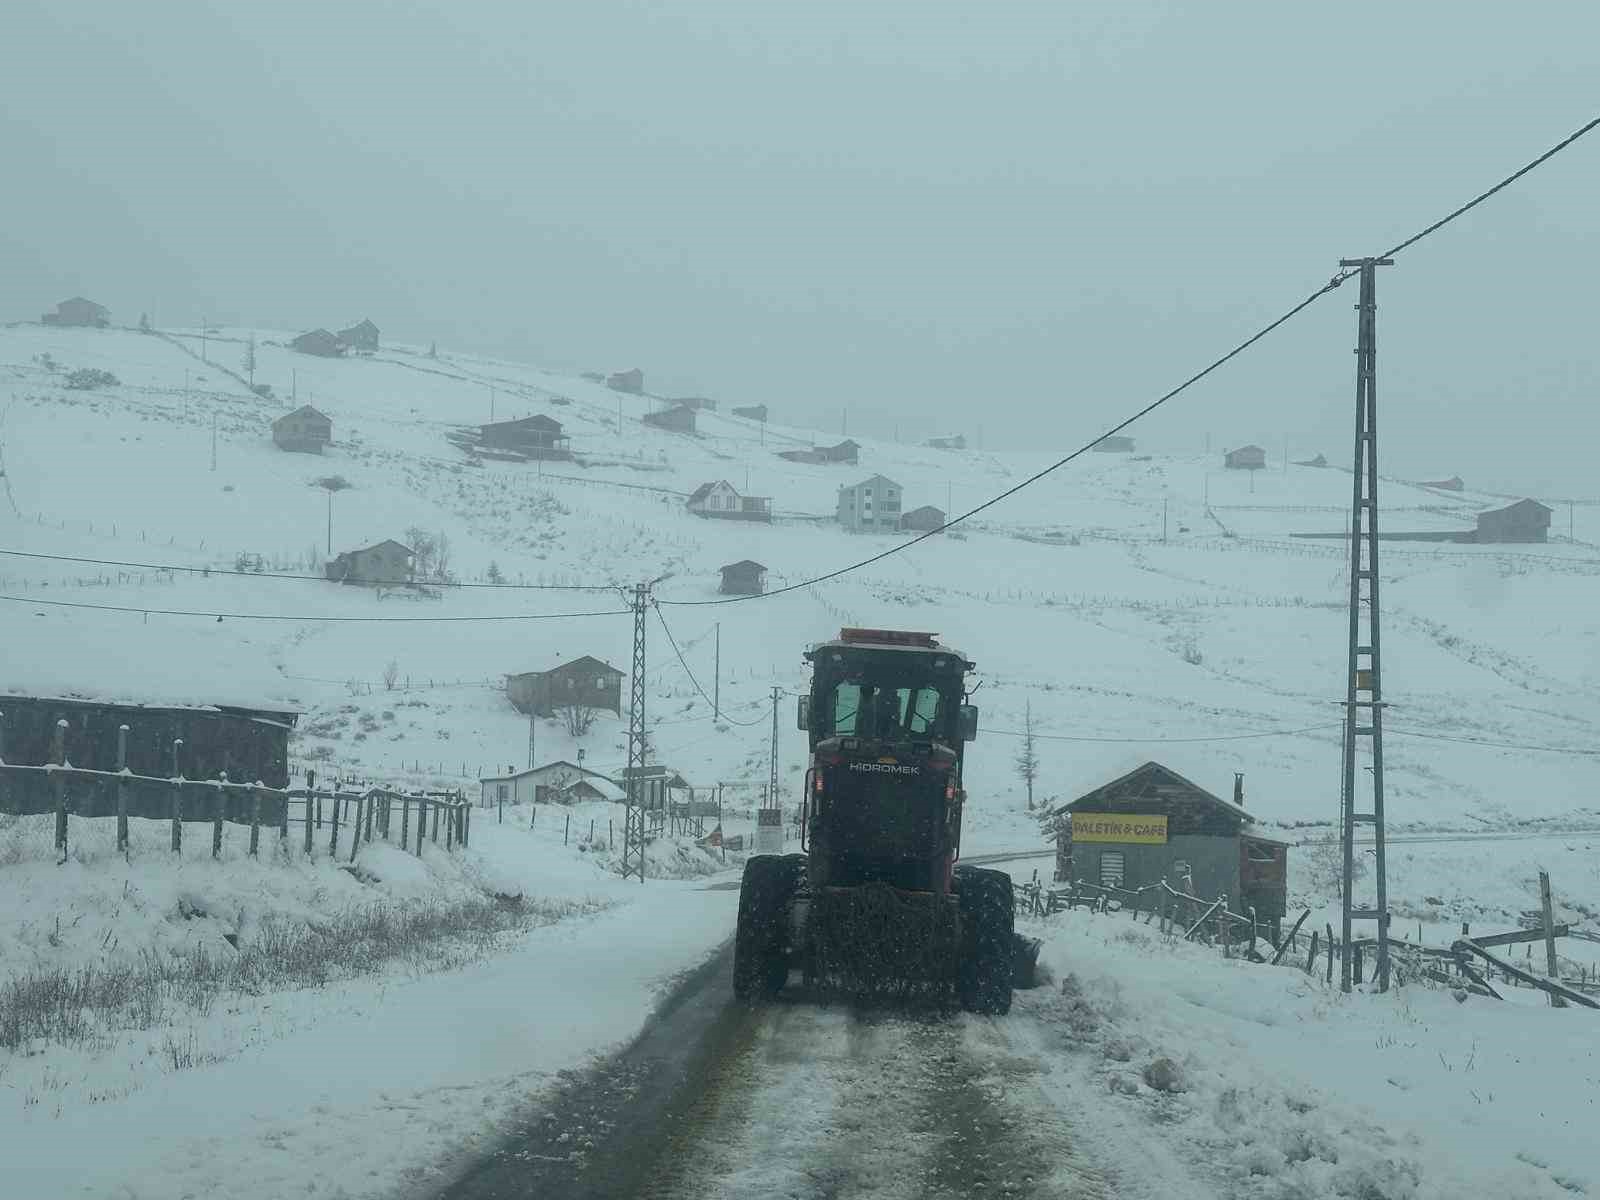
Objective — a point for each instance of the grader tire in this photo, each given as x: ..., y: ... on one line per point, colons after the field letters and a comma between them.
x: 760, y: 944
x: 984, y: 975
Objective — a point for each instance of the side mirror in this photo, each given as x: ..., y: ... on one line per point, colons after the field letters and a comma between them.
x: 969, y: 722
x: 802, y: 716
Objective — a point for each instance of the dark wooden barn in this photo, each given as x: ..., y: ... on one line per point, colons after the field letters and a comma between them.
x: 752, y: 412
x: 1524, y: 521
x: 744, y: 578
x: 319, y: 342
x: 537, y: 437
x: 250, y: 744
x: 1453, y: 484
x: 387, y: 564
x: 1245, y: 458
x: 679, y: 419
x: 583, y: 681
x: 1153, y: 824
x: 922, y: 520
x: 305, y: 430
x: 1117, y: 443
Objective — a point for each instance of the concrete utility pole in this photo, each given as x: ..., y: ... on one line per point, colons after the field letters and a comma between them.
x: 533, y: 733
x: 772, y: 774
x: 203, y: 324
x: 1363, y: 675
x: 1163, y: 520
x: 213, y: 441
x: 330, y: 521
x: 186, y: 394
x: 491, y: 402
x: 716, y: 679
x: 1552, y: 966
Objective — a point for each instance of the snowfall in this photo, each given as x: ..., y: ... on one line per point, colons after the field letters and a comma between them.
x: 1131, y: 606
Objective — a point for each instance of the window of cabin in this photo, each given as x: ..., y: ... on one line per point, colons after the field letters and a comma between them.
x: 1260, y: 852
x: 1111, y: 868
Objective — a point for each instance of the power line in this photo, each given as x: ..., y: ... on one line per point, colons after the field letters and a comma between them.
x: 224, y: 572
x: 1293, y: 312
x: 1227, y: 737
x: 665, y: 628
x: 238, y: 616
x: 1444, y: 737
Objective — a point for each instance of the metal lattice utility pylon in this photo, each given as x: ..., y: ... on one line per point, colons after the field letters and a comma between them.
x: 633, y: 821
x: 1363, y: 719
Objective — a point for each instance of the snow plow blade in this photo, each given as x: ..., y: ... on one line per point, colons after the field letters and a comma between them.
x: 877, y: 943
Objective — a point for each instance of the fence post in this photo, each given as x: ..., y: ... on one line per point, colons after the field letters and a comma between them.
x: 502, y: 806
x: 355, y: 830
x: 1552, y: 966
x: 371, y: 803
x: 177, y: 795
x: 1312, y: 957
x: 533, y: 821
x: 1355, y: 958
x: 283, y: 826
x: 122, y: 789
x: 1330, y: 954
x: 450, y: 828
x: 466, y: 824
x: 255, y: 819
x: 1226, y: 920
x: 219, y: 795
x: 58, y: 755
x: 334, y: 805
x: 311, y: 798
x: 436, y: 822
x: 591, y: 831
x: 567, y: 829
x: 405, y: 822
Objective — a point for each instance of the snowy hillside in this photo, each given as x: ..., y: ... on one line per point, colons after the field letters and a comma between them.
x: 1128, y: 646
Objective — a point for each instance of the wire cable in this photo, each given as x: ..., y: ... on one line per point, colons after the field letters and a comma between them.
x: 238, y: 616
x: 1333, y: 283
x: 1226, y: 737
x: 665, y: 628
x: 1444, y: 737
x: 224, y: 571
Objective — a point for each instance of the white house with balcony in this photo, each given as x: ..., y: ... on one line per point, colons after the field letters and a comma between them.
x: 871, y: 506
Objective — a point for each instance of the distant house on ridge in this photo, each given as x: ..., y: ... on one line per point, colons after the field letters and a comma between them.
x: 319, y: 342
x: 558, y: 782
x: 1245, y: 458
x: 631, y: 381
x: 679, y: 419
x: 698, y: 403
x: 721, y: 501
x: 78, y: 311
x: 1453, y: 484
x: 305, y: 430
x: 1320, y: 460
x: 387, y: 564
x: 537, y: 437
x: 752, y: 412
x: 583, y: 681
x: 1116, y: 443
x: 744, y: 578
x: 953, y: 441
x: 362, y: 337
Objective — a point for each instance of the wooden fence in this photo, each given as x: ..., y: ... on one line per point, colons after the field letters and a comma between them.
x: 1210, y: 921
x: 59, y: 788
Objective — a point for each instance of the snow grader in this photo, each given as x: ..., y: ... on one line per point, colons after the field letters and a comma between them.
x: 877, y: 908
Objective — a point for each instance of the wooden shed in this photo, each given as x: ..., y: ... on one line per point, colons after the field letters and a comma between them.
x: 1153, y: 824
x: 752, y: 412
x: 305, y: 430
x: 1245, y: 458
x: 1117, y: 443
x: 744, y: 578
x: 583, y: 681
x: 923, y: 520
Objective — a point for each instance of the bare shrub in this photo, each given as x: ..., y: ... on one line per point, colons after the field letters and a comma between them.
x: 578, y: 718
x: 391, y: 673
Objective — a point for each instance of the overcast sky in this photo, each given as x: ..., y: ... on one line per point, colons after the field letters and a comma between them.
x: 1024, y: 217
